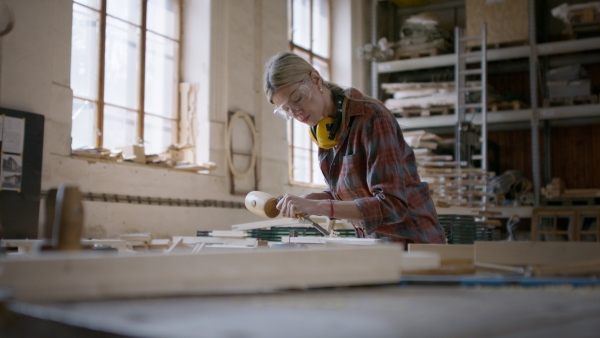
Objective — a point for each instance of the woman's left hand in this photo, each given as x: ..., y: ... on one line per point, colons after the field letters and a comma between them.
x: 292, y: 205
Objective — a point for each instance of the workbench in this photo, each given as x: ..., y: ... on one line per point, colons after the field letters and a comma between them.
x: 399, y: 310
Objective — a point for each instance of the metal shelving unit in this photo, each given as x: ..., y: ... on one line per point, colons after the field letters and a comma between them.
x: 550, y: 48
x: 533, y: 116
x: 504, y: 117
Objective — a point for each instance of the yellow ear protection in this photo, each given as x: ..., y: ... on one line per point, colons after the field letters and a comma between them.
x: 324, y: 134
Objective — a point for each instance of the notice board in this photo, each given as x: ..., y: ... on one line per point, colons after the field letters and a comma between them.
x: 21, y: 149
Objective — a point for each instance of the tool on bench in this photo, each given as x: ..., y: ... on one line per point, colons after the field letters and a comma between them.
x: 265, y: 205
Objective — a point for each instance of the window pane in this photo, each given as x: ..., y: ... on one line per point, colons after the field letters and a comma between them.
x: 128, y: 10
x: 120, y: 127
x: 84, y: 124
x: 317, y: 173
x: 301, y: 23
x: 158, y: 134
x: 301, y: 159
x: 302, y: 53
x: 301, y: 134
x: 161, y: 78
x: 322, y: 68
x: 121, y: 84
x: 84, y: 52
x: 320, y: 30
x: 301, y: 169
x: 95, y: 4
x: 161, y: 17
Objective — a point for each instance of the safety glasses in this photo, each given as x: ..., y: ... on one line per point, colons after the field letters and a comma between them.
x: 298, y: 98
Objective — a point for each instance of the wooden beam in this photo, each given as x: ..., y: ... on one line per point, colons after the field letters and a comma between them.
x: 535, y: 253
x: 464, y: 253
x: 420, y: 261
x: 75, y: 277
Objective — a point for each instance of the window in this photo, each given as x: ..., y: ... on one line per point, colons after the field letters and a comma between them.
x: 309, y: 36
x: 124, y: 73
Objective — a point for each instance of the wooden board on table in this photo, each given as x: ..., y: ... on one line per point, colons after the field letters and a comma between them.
x: 191, y: 241
x: 334, y: 240
x: 420, y: 261
x: 535, y: 253
x: 76, y: 276
x: 464, y: 253
x: 229, y: 233
x: 275, y: 222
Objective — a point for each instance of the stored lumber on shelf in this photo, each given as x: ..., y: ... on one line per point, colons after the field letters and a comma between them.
x: 77, y: 276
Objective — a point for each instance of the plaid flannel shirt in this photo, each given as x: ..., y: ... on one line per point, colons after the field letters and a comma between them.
x: 373, y: 166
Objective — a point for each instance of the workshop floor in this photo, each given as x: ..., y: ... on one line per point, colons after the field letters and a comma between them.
x: 379, y: 311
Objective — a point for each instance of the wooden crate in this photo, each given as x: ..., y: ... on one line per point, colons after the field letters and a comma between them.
x: 507, y: 20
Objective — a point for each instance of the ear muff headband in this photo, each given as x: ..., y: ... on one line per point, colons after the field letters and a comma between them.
x: 325, y: 133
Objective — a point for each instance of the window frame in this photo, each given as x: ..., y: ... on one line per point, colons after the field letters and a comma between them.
x: 311, y: 57
x: 100, y: 103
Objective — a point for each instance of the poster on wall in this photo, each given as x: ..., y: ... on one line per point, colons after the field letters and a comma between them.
x: 13, y: 135
x: 12, y: 171
x: 12, y: 138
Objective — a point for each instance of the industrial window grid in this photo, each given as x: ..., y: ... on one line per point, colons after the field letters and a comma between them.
x: 100, y: 83
x: 320, y: 58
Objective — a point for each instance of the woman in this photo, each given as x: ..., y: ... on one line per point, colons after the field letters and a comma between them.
x: 371, y: 172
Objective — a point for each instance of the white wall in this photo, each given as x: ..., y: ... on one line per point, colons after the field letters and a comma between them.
x: 242, y: 35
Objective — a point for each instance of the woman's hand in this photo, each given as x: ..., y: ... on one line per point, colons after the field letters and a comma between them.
x: 292, y: 205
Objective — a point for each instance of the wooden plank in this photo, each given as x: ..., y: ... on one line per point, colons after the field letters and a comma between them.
x: 75, y: 277
x: 118, y: 244
x: 535, y: 253
x: 24, y: 246
x: 191, y: 241
x: 30, y: 246
x: 334, y: 240
x: 590, y: 268
x: 277, y: 222
x: 229, y: 233
x: 420, y: 261
x: 448, y: 253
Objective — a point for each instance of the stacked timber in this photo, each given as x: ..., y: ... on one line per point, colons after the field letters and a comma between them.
x: 420, y: 98
x: 416, y: 99
x: 580, y: 19
x: 452, y: 183
x: 557, y: 190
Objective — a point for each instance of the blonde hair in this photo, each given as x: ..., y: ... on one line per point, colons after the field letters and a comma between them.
x: 284, y: 69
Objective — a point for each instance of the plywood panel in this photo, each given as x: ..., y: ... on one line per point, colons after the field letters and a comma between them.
x: 507, y: 20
